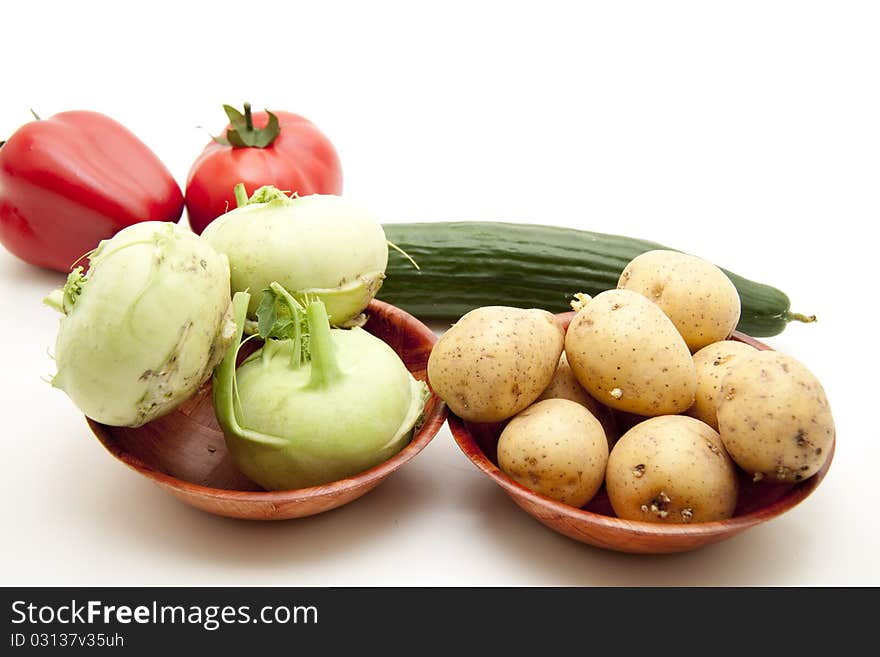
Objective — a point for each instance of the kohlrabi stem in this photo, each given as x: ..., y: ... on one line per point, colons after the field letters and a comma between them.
x: 55, y: 300
x: 403, y: 253
x: 224, y: 382
x: 241, y: 197
x: 325, y: 369
x: 224, y: 374
x: 296, y: 356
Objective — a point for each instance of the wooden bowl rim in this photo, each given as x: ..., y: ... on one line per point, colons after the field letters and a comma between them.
x: 429, y: 428
x: 796, y: 494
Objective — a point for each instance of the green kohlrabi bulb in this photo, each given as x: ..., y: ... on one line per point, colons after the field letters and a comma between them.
x: 321, y: 246
x: 145, y: 326
x: 317, y: 407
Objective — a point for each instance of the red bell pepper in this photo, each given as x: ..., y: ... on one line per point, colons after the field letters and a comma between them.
x: 72, y: 180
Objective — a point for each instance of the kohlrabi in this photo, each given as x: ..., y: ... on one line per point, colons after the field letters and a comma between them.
x: 314, y: 404
x: 145, y: 326
x: 320, y: 246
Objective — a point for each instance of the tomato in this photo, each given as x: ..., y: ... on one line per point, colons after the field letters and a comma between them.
x: 263, y: 148
x: 74, y: 179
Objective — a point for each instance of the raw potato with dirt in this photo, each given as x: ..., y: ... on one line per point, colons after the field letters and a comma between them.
x: 557, y: 448
x: 629, y: 356
x: 495, y: 361
x: 774, y: 418
x: 671, y: 469
x: 564, y: 385
x: 713, y: 362
x: 696, y: 295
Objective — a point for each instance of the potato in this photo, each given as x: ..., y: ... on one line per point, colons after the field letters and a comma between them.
x: 671, y: 469
x: 774, y: 417
x: 564, y: 385
x: 495, y: 361
x: 557, y: 448
x: 628, y: 355
x: 696, y: 295
x: 713, y: 362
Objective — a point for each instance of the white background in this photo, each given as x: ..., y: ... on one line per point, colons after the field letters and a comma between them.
x: 746, y: 132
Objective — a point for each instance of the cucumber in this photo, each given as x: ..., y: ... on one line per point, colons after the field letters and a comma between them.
x: 465, y: 265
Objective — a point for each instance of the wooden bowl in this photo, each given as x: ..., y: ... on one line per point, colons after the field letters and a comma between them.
x: 185, y: 453
x: 596, y: 523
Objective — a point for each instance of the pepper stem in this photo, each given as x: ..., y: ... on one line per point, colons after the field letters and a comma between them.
x: 325, y: 369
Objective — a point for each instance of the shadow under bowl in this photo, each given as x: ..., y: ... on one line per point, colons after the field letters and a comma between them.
x: 596, y: 524
x: 185, y: 453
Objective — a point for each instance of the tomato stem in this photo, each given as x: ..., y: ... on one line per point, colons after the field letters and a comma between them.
x: 248, y: 119
x: 242, y: 133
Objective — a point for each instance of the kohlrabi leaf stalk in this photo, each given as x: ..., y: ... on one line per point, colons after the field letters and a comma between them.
x: 226, y: 403
x: 315, y: 404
